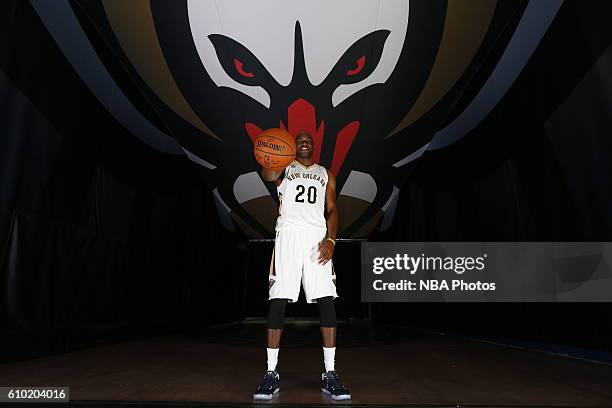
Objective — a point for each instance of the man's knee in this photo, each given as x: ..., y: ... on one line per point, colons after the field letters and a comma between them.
x: 327, y: 311
x: 276, y: 314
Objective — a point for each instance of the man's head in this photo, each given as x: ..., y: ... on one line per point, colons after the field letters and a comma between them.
x: 304, y: 145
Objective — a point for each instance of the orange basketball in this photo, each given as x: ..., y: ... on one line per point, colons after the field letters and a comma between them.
x: 274, y: 149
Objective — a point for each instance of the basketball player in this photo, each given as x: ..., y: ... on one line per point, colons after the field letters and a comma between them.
x: 303, y: 250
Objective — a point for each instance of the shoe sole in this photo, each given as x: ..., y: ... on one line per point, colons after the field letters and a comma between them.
x: 265, y: 397
x: 336, y: 397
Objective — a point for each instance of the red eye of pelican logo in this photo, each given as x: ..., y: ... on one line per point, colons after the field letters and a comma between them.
x: 239, y: 67
x: 360, y: 64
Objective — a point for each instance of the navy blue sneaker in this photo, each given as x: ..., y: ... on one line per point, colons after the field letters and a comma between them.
x: 330, y: 384
x: 269, y: 386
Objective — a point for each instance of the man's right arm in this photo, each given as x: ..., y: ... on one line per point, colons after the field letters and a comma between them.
x: 271, y: 175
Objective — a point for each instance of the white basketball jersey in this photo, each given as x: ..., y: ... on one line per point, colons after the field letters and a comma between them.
x: 302, y: 197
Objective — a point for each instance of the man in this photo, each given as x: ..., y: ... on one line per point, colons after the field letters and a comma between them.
x: 303, y: 250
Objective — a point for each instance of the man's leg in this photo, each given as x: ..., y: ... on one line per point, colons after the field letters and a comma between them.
x: 271, y: 381
x: 276, y: 318
x: 330, y: 383
x: 327, y: 313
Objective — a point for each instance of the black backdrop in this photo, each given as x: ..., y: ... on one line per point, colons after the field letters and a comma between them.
x: 537, y: 169
x: 103, y: 238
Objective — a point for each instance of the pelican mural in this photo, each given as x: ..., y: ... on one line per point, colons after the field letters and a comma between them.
x: 376, y: 82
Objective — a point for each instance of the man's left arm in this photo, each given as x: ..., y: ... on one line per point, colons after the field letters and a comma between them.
x: 326, y: 247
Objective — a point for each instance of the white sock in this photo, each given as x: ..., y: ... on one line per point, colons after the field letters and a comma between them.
x: 272, y: 358
x: 329, y: 355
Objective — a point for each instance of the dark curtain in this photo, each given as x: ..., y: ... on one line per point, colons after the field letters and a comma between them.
x: 538, y: 168
x: 102, y: 238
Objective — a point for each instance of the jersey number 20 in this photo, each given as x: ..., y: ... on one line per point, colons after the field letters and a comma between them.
x: 311, y: 193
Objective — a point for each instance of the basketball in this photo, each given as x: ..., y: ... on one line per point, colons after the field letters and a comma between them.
x: 274, y: 149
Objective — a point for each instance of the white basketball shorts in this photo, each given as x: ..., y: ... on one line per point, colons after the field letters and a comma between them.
x: 294, y: 259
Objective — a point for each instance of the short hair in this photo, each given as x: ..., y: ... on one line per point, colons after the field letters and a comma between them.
x: 303, y: 133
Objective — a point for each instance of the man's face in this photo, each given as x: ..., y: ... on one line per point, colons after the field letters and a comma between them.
x: 304, y: 145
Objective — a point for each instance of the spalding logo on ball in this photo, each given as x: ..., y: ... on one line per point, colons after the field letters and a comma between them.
x: 372, y: 81
x: 274, y: 149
